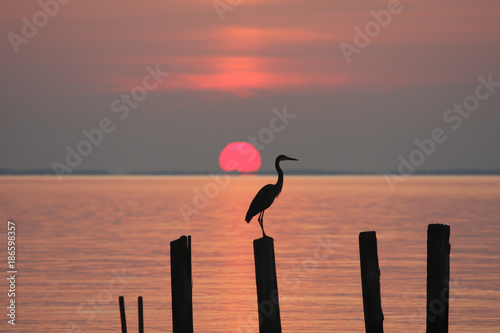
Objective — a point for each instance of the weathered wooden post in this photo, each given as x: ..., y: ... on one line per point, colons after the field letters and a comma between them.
x: 182, y: 287
x: 267, y: 286
x: 141, y: 314
x: 370, y: 282
x: 438, y: 277
x: 122, y: 314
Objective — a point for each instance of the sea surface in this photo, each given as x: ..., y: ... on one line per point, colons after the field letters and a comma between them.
x: 83, y: 242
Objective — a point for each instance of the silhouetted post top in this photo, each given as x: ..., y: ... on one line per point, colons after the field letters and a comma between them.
x: 182, y: 285
x: 370, y: 282
x: 438, y: 277
x: 267, y: 286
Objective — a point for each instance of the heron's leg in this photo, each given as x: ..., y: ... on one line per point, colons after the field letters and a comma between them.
x: 262, y: 223
x: 260, y: 219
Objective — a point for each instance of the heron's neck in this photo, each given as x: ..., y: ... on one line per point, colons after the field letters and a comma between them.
x: 279, y: 183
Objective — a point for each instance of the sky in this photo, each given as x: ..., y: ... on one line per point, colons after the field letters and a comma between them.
x: 164, y: 85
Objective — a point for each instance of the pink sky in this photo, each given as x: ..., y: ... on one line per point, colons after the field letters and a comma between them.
x: 227, y: 75
x: 100, y: 46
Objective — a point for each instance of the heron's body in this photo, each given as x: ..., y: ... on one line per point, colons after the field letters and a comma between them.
x: 262, y: 201
x: 265, y: 197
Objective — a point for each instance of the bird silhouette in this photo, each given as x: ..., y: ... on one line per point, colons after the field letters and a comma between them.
x: 265, y: 197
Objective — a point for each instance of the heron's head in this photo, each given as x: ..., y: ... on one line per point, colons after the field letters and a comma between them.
x: 285, y: 158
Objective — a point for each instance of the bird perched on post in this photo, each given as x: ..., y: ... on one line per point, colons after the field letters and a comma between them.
x: 265, y: 197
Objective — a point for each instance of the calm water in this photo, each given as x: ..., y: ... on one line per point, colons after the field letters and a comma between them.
x: 85, y: 241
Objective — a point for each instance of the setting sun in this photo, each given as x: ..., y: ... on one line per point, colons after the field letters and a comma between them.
x: 240, y: 156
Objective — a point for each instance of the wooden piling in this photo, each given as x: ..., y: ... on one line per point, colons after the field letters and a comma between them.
x: 141, y: 314
x: 122, y: 314
x: 267, y: 286
x: 370, y: 282
x: 182, y: 287
x: 438, y: 277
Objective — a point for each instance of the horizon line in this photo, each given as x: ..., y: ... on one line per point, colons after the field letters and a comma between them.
x: 304, y: 172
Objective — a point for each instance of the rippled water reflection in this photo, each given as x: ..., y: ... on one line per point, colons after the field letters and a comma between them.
x: 87, y: 240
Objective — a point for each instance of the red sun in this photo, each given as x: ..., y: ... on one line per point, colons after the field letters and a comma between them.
x: 240, y: 156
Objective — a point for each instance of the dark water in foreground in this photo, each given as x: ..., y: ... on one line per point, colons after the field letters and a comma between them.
x: 83, y: 242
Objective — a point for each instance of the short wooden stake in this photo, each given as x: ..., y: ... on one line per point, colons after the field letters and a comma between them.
x: 122, y: 314
x: 141, y: 314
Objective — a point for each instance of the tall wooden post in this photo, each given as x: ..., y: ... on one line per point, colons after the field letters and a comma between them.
x: 438, y: 277
x: 182, y: 287
x: 267, y: 286
x: 370, y: 282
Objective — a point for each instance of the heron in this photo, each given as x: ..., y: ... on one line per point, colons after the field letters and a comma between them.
x: 265, y: 197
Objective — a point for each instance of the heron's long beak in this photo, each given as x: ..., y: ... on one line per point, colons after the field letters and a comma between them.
x: 291, y: 159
